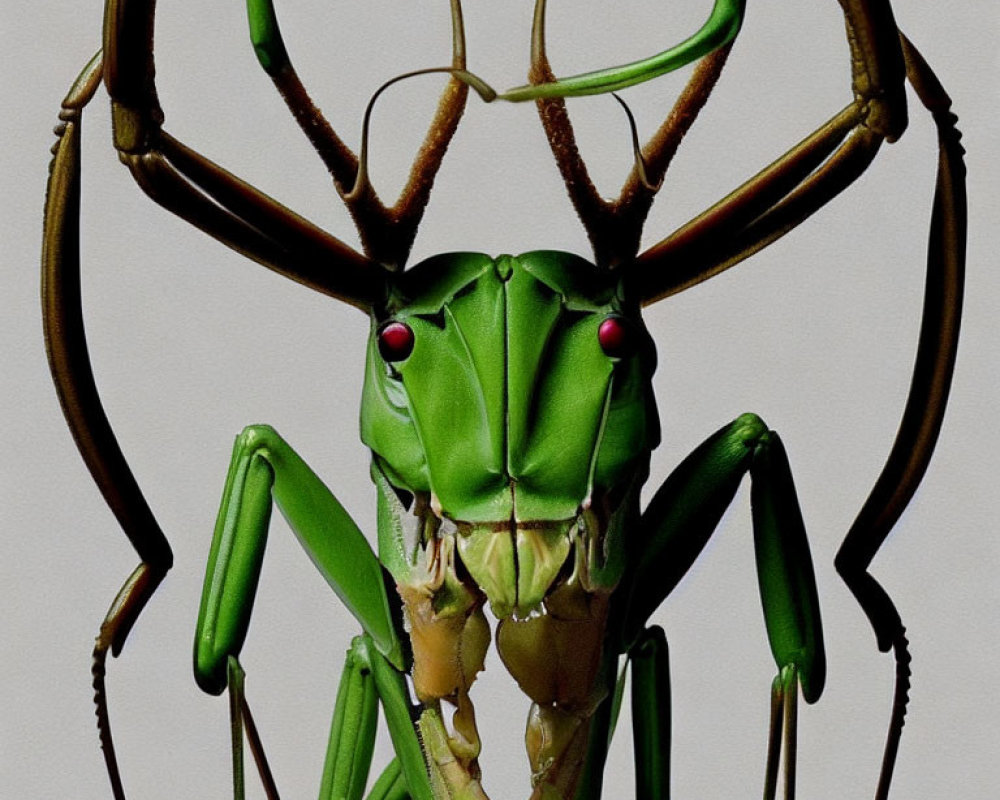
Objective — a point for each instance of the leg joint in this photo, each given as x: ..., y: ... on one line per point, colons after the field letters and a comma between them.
x: 750, y: 430
x: 256, y: 438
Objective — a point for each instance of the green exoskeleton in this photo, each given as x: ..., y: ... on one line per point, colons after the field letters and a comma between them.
x: 478, y: 370
x: 509, y: 412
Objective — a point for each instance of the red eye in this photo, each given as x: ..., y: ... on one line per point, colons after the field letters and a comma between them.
x: 395, y: 341
x: 615, y: 337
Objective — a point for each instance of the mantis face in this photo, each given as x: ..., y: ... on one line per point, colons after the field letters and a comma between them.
x: 512, y: 397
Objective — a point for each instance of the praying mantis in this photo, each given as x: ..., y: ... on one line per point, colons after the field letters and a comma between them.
x: 605, y: 303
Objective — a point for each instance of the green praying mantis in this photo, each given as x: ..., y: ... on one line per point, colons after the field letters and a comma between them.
x: 508, y: 407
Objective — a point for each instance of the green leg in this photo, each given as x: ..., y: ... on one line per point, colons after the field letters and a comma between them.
x: 602, y: 728
x: 263, y: 468
x: 366, y: 679
x: 651, y: 715
x: 352, y: 732
x: 684, y: 513
x: 391, y: 785
x: 399, y: 716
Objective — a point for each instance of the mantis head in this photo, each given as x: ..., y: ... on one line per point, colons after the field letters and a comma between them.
x: 508, y: 401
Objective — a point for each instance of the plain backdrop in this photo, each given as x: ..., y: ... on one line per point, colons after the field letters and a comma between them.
x: 190, y: 342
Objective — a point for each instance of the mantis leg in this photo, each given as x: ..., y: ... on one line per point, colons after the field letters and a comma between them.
x: 391, y: 785
x: 768, y: 206
x: 683, y: 515
x: 366, y: 678
x: 201, y: 192
x: 265, y: 468
x: 813, y: 172
x: 233, y: 211
x: 69, y: 361
x: 925, y: 404
x: 241, y: 722
x: 352, y: 732
x: 784, y: 724
x: 649, y: 658
x: 802, y: 180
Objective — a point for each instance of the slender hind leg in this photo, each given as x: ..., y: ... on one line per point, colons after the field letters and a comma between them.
x: 69, y: 361
x: 785, y: 194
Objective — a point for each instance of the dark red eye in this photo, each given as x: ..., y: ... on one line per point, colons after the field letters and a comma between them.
x: 395, y: 341
x: 615, y: 337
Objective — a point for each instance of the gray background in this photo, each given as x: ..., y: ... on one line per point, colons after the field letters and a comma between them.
x: 190, y: 343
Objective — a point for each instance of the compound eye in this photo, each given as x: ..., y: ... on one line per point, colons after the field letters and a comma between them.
x: 395, y: 341
x: 615, y: 337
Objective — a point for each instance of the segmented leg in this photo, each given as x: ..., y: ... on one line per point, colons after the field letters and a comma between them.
x: 760, y: 211
x: 391, y: 785
x: 788, y: 192
x: 677, y: 524
x: 352, y: 735
x: 803, y: 180
x: 764, y: 208
x: 265, y: 471
x: 767, y: 207
x: 210, y: 198
x: 203, y: 193
x: 782, y: 734
x: 925, y: 405
x: 241, y: 723
x: 352, y: 732
x: 69, y: 361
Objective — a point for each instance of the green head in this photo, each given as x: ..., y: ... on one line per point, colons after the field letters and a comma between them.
x: 509, y: 401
